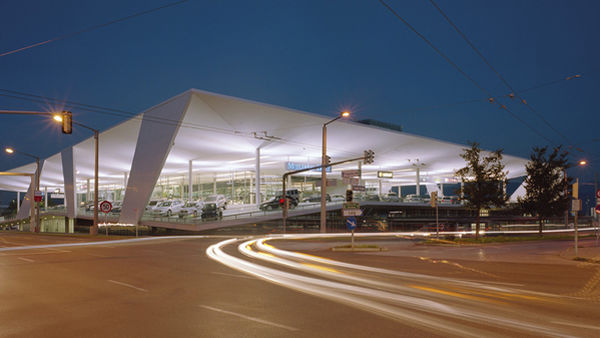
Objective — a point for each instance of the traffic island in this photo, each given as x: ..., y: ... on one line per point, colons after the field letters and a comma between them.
x: 359, y: 248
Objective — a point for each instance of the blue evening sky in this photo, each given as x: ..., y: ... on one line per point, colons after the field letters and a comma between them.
x: 317, y: 56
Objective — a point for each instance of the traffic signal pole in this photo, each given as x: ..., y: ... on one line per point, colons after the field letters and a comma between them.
x: 368, y: 156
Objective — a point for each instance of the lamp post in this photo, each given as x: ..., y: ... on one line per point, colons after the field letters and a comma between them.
x: 10, y: 150
x: 581, y: 163
x: 324, y: 172
x: 59, y: 118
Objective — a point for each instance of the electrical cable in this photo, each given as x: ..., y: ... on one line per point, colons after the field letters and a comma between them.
x: 453, y: 64
x: 523, y: 101
x: 91, y: 28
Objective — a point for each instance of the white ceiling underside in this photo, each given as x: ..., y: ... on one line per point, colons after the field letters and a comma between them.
x: 220, y: 135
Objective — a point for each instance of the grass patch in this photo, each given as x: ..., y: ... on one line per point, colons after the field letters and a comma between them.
x: 359, y: 246
x: 495, y: 239
x: 587, y: 260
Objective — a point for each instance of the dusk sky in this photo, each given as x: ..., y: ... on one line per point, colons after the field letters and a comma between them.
x: 316, y: 56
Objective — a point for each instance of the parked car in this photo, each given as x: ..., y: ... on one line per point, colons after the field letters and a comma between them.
x: 414, y: 198
x: 277, y: 202
x: 211, y: 211
x: 168, y: 208
x: 316, y: 198
x: 338, y: 198
x: 191, y: 208
x: 219, y: 200
x: 449, y: 200
x: 116, y: 207
x: 391, y: 197
x: 153, y: 204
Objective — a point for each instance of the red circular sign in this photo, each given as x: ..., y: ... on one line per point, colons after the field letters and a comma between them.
x: 105, y: 207
x: 597, y: 209
x: 598, y: 193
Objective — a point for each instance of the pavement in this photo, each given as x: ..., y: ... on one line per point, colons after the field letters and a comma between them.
x: 170, y: 287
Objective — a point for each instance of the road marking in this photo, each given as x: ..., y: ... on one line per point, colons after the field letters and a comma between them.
x: 26, y: 259
x: 579, y: 325
x: 232, y: 275
x: 258, y: 320
x: 127, y: 285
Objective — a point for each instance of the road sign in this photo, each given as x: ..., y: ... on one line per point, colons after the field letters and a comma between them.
x: 351, y: 180
x: 598, y: 193
x: 351, y: 205
x: 37, y: 196
x: 351, y: 212
x: 597, y: 209
x: 385, y: 174
x: 350, y: 173
x: 575, y: 205
x: 105, y: 207
x: 351, y: 223
x: 358, y: 187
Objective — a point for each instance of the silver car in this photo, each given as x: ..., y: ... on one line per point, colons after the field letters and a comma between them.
x: 191, y: 208
x: 167, y: 208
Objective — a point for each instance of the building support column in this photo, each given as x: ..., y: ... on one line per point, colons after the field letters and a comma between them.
x: 418, y: 191
x: 18, y: 201
x: 45, y: 198
x: 257, y: 178
x: 190, y: 183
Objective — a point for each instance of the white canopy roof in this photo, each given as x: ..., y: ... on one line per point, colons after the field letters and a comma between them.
x: 220, y: 134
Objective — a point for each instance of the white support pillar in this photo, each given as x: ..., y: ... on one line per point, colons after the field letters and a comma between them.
x: 45, y: 198
x: 88, y: 197
x: 442, y: 188
x: 125, y: 177
x: 153, y: 145
x: 418, y: 192
x: 215, y: 184
x: 68, y: 169
x: 233, y: 186
x: 190, y: 183
x: 18, y: 201
x: 462, y: 192
x: 257, y: 177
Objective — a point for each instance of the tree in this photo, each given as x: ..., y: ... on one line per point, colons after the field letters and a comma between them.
x: 483, y: 179
x: 545, y: 194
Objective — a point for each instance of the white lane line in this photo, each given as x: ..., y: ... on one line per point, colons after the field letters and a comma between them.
x: 258, y: 320
x: 127, y: 285
x: 233, y: 275
x: 579, y: 325
x: 26, y: 259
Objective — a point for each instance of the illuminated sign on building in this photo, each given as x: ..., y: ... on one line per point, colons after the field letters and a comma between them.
x: 300, y: 166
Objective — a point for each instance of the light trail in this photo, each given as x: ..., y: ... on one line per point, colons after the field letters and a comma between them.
x: 434, y: 308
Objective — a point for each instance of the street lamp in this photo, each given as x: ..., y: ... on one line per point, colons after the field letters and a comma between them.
x: 10, y: 150
x: 575, y: 194
x: 67, y: 130
x: 324, y: 162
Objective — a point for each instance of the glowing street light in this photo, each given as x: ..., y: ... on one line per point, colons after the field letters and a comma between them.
x: 324, y: 162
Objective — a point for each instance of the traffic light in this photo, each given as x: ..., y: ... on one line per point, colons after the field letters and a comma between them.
x: 67, y: 122
x: 433, y: 200
x: 369, y: 156
x: 348, y: 195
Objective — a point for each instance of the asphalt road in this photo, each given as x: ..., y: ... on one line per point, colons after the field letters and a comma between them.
x: 171, y: 288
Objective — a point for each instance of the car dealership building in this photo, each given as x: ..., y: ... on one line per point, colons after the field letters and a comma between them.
x: 201, y: 143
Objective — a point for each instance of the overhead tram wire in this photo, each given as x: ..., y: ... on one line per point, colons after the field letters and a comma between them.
x: 91, y: 28
x: 445, y: 57
x: 485, y: 60
x: 541, y: 85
